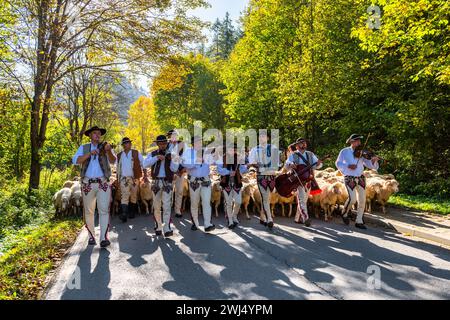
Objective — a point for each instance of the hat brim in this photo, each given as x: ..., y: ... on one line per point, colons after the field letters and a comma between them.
x: 88, y: 132
x: 156, y: 141
x: 354, y: 139
x: 128, y: 141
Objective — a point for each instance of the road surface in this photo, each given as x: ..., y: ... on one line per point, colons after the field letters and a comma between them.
x: 326, y: 261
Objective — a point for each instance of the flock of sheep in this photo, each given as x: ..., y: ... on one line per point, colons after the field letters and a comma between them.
x: 334, y: 194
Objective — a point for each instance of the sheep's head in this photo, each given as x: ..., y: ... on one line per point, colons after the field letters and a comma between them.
x: 65, y: 202
x: 336, y: 189
x: 392, y: 186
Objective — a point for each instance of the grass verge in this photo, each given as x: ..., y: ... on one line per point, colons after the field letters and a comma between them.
x: 422, y: 203
x: 30, y: 254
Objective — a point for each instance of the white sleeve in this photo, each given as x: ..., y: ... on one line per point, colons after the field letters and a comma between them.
x: 314, y: 160
x: 222, y: 171
x: 370, y: 165
x: 150, y: 161
x: 78, y: 154
x: 174, y: 166
x: 340, y: 162
x: 289, y: 161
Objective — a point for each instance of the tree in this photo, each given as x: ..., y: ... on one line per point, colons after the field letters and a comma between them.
x: 225, y: 37
x: 142, y: 125
x: 49, y: 32
x: 189, y: 89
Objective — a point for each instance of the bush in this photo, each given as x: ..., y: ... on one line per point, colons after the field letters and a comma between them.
x: 19, y: 207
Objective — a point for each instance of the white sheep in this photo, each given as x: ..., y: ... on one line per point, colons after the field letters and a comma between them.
x: 76, y: 198
x: 61, y: 201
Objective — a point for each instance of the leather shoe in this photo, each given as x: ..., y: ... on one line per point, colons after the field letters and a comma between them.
x: 360, y: 226
x: 105, y: 243
x: 194, y: 227
x: 158, y: 232
x: 263, y: 223
x: 178, y: 215
x: 210, y: 228
x: 346, y: 220
x: 168, y: 234
x: 92, y: 242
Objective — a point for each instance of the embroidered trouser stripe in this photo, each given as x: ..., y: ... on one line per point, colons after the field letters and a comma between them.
x: 302, y: 204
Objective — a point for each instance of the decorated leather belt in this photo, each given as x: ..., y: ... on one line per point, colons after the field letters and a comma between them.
x: 195, y: 183
x: 98, y: 180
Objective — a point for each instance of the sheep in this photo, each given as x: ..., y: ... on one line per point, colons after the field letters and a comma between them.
x: 117, y: 195
x: 257, y: 200
x: 68, y: 184
x: 329, y: 198
x: 389, y: 187
x: 145, y: 194
x: 76, y: 198
x: 246, y: 196
x: 373, y: 186
x: 61, y: 201
x: 273, y: 199
x: 289, y: 201
x: 216, y: 195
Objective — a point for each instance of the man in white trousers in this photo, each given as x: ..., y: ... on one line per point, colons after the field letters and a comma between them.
x: 177, y: 147
x: 95, y: 159
x: 198, y: 170
x: 265, y: 157
x: 305, y: 157
x: 231, y: 183
x: 352, y: 167
x: 162, y: 172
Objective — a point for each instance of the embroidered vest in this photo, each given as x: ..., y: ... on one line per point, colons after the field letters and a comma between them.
x: 102, y: 160
x: 137, y: 171
x: 157, y: 166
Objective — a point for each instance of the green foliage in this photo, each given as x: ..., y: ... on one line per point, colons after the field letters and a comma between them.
x: 188, y: 89
x: 30, y: 256
x: 20, y: 208
x: 315, y: 69
x: 428, y: 204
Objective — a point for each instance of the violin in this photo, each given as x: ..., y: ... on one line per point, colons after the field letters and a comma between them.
x: 361, y: 152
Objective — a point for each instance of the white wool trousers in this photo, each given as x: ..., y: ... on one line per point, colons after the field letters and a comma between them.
x: 302, y: 204
x: 232, y: 201
x: 203, y: 194
x: 96, y: 194
x: 162, y: 198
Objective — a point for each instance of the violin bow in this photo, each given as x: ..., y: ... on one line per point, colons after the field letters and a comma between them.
x: 364, y: 147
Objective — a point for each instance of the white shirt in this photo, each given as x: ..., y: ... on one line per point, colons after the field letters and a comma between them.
x: 150, y: 161
x: 347, y: 158
x: 94, y: 170
x: 298, y: 160
x: 127, y: 163
x: 259, y: 155
x: 194, y: 169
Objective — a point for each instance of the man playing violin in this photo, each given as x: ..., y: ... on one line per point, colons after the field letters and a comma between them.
x: 298, y: 157
x: 95, y: 159
x: 351, y: 164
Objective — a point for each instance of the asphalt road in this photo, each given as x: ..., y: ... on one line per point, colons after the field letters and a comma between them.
x: 326, y: 261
